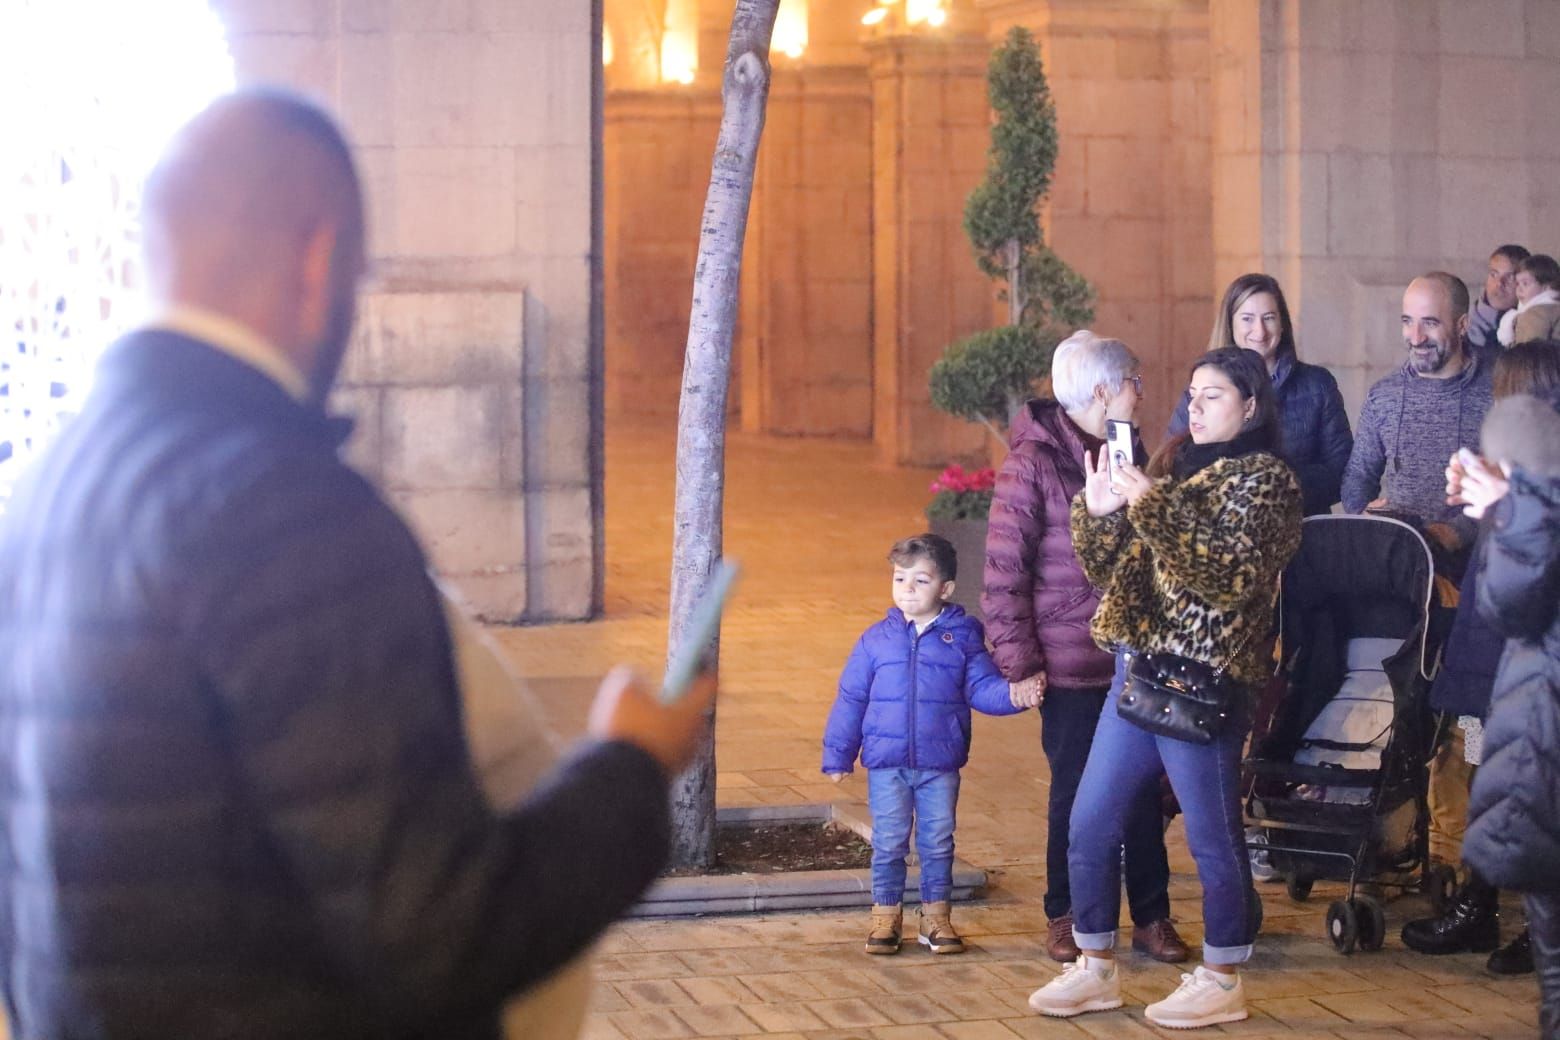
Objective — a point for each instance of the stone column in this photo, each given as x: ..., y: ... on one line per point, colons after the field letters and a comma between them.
x: 806, y: 341
x: 930, y: 132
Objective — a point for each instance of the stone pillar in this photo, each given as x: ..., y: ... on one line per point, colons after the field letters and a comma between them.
x: 805, y: 334
x: 1361, y: 142
x: 476, y: 366
x: 930, y: 132
x: 658, y: 148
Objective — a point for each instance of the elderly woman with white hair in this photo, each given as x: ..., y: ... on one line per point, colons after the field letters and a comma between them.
x: 1038, y: 605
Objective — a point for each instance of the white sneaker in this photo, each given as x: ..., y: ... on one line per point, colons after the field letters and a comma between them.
x: 1204, y: 998
x: 1262, y: 868
x: 1087, y: 984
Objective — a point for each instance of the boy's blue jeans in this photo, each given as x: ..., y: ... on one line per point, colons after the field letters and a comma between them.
x: 894, y: 796
x: 1123, y: 763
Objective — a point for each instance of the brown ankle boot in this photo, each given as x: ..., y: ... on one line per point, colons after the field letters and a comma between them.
x: 1161, y: 942
x: 936, y: 931
x: 1059, y: 944
x: 884, y: 937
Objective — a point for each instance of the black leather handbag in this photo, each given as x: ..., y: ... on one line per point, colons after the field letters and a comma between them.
x: 1174, y: 696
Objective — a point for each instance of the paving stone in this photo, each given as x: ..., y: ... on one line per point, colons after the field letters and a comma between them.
x: 660, y: 1024
x: 717, y: 990
x: 781, y: 1017
x: 718, y: 1020
x: 977, y: 1031
x: 849, y: 1013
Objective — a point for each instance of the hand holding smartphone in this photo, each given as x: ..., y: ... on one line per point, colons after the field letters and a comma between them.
x: 702, y: 626
x: 1118, y: 446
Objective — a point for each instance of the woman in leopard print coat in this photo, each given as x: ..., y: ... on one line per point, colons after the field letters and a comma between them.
x: 1188, y: 555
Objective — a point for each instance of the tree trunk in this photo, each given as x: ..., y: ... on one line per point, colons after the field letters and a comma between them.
x: 1015, y: 276
x: 701, y: 416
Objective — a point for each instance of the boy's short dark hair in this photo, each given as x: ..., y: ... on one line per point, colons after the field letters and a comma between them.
x: 933, y: 547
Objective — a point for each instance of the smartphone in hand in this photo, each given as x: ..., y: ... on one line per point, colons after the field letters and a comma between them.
x: 1118, y: 444
x: 702, y: 626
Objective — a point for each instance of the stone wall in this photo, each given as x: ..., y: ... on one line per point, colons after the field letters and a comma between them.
x: 473, y: 126
x: 1360, y: 142
x: 658, y: 147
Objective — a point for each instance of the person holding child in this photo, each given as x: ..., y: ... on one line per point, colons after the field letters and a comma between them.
x: 1537, y: 314
x: 904, y: 705
x: 1188, y: 554
x: 1513, y: 832
x: 1038, y: 604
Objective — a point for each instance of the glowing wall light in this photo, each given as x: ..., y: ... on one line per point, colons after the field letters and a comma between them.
x: 606, y: 45
x: 932, y: 12
x: 680, y: 42
x: 790, y: 35
x: 908, y: 14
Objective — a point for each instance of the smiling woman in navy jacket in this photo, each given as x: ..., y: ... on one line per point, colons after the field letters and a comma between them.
x: 1315, y: 441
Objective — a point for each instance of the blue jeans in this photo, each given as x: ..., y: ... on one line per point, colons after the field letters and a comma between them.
x: 1068, y: 719
x: 1125, y: 762
x: 894, y: 796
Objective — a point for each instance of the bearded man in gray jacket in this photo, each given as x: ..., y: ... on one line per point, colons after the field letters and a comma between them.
x: 1415, y: 419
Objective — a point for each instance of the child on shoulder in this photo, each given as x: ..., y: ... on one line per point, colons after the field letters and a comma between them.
x: 904, y: 704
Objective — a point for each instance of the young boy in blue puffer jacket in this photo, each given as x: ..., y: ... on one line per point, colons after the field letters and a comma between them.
x: 904, y: 704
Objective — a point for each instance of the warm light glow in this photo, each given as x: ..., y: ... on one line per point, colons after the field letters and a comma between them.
x: 790, y: 35
x: 90, y: 91
x: 911, y: 13
x: 606, y: 45
x: 929, y: 11
x: 680, y: 42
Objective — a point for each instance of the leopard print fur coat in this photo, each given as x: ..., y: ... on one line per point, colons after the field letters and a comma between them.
x: 1192, y: 567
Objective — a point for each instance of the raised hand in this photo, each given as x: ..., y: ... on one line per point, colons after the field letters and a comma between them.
x: 1098, y: 496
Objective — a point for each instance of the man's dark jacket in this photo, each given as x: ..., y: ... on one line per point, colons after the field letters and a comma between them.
x: 237, y: 800
x: 1513, y: 837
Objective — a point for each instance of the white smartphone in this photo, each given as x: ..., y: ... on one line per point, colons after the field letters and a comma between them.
x: 1118, y: 444
x: 701, y: 628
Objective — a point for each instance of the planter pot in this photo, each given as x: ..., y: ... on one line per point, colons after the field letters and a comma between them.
x: 969, y: 541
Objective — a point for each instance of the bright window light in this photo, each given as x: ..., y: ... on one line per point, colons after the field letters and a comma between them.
x: 89, y: 92
x: 790, y: 35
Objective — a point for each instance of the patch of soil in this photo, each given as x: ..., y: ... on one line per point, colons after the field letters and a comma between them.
x: 784, y: 847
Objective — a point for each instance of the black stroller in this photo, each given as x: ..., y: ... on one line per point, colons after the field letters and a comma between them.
x: 1338, y: 776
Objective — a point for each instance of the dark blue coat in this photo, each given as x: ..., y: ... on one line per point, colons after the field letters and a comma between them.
x: 1472, y: 652
x: 1513, y: 837
x: 905, y: 700
x: 237, y: 797
x: 1317, y: 441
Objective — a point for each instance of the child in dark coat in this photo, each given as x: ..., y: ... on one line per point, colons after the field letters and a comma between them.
x: 904, y: 705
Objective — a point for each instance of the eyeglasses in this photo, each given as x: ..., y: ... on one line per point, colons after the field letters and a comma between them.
x: 1137, y: 384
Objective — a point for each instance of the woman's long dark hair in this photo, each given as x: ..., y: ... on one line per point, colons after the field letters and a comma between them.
x: 1249, y: 374
x: 1241, y: 290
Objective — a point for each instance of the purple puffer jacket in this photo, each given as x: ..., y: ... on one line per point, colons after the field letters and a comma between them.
x: 1036, y: 600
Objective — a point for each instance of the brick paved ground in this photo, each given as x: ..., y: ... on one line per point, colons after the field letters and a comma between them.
x: 811, y: 521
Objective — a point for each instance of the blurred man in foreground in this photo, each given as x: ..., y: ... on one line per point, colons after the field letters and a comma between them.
x: 238, y: 800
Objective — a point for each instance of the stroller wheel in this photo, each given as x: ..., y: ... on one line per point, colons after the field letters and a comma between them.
x: 1441, y: 882
x: 1343, y: 926
x: 1372, y: 922
x: 1299, y: 887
